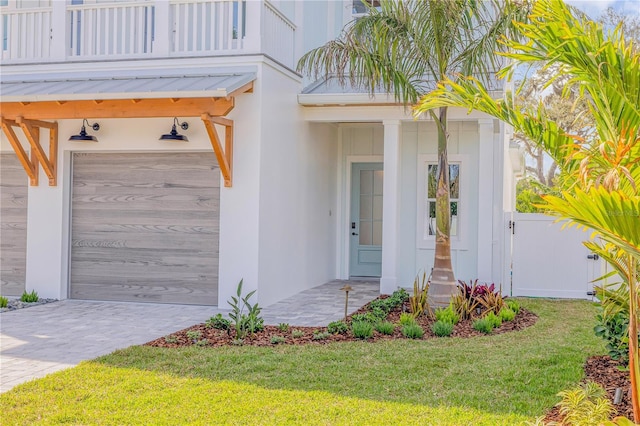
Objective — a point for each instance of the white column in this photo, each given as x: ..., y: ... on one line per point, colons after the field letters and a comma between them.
x: 390, y: 206
x: 485, y: 199
x: 59, y: 29
x: 163, y: 29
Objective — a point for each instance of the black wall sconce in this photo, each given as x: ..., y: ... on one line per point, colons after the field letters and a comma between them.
x: 83, y: 136
x: 174, y: 135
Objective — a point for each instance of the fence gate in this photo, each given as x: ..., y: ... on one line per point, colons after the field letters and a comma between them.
x: 548, y: 261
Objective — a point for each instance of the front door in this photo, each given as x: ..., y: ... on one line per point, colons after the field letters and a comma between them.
x: 365, y: 225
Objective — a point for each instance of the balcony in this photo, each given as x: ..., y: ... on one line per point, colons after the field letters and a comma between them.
x: 145, y: 29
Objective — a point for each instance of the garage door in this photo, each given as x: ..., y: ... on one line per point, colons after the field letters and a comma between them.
x: 145, y: 227
x: 13, y: 225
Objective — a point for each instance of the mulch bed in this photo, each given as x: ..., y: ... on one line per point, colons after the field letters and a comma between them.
x: 607, y: 373
x: 216, y: 338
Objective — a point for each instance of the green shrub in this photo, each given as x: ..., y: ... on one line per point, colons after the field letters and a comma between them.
x: 283, y: 326
x: 506, y: 314
x: 483, y: 325
x: 218, y: 322
x: 359, y: 317
x: 419, y: 302
x: 277, y: 339
x: 337, y: 327
x: 4, y: 302
x: 171, y: 339
x: 397, y: 299
x: 29, y: 297
x: 614, y: 329
x: 203, y: 342
x: 407, y: 319
x: 412, y: 331
x: 442, y: 328
x: 513, y: 305
x: 381, y: 304
x: 250, y: 322
x: 194, y: 335
x: 320, y: 335
x: 362, y: 329
x: 494, y: 319
x: 447, y: 315
x: 296, y: 334
x: 385, y: 327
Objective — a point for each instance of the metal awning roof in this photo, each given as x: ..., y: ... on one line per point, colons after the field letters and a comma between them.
x: 140, y: 84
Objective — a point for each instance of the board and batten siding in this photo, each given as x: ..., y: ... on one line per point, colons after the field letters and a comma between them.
x: 13, y: 225
x: 145, y: 227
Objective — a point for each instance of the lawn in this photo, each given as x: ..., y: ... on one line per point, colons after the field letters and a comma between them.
x: 503, y: 379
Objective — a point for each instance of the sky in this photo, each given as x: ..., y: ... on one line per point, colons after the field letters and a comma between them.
x: 594, y: 8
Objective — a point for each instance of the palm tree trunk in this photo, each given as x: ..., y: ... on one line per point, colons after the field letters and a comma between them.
x: 634, y: 368
x: 443, y: 283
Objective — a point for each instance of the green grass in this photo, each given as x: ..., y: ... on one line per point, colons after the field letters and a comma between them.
x: 501, y: 379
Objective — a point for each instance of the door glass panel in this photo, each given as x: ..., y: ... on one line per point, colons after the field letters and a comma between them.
x: 366, y: 207
x: 377, y: 182
x: 377, y: 207
x: 377, y: 233
x: 366, y: 182
x: 431, y: 180
x: 454, y: 180
x: 365, y: 233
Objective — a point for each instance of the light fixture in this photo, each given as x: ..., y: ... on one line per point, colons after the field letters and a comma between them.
x: 174, y: 135
x: 83, y: 136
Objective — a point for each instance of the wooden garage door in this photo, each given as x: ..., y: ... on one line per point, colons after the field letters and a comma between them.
x: 145, y: 227
x: 13, y: 225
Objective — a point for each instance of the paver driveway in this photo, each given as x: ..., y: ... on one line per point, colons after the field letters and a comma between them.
x: 42, y: 339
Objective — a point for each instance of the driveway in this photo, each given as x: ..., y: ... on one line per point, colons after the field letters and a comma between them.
x: 43, y: 339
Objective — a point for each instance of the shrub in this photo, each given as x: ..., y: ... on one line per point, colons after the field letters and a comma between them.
x: 483, y: 325
x: 447, y: 315
x: 385, y: 327
x: 4, y: 302
x: 171, y: 339
x: 378, y: 313
x: 277, y: 339
x: 362, y: 329
x: 513, y: 305
x: 407, y: 319
x: 412, y: 331
x: 337, y: 327
x: 29, y: 297
x: 614, y: 329
x: 320, y: 335
x: 506, y: 314
x: 218, y: 322
x: 194, y: 335
x: 442, y: 328
x: 283, y: 326
x: 203, y: 342
x: 380, y: 304
x: 586, y: 404
x: 494, y: 319
x: 359, y: 317
x: 245, y: 323
x: 296, y: 334
x: 475, y: 295
x: 419, y: 302
x: 397, y: 298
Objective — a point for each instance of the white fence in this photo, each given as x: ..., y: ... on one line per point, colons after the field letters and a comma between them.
x: 146, y: 28
x: 548, y: 261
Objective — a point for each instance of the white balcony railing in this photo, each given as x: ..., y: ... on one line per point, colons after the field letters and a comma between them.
x: 145, y: 28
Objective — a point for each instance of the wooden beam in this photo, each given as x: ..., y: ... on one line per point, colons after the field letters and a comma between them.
x: 30, y: 165
x: 247, y: 88
x: 118, y: 108
x: 225, y: 158
x: 31, y: 129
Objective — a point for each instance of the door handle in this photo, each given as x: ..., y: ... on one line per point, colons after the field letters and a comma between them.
x: 353, y: 233
x: 593, y: 256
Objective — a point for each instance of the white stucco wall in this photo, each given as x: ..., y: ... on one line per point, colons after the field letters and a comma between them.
x: 297, y: 193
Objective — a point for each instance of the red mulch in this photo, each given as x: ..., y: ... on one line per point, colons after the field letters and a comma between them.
x: 607, y: 373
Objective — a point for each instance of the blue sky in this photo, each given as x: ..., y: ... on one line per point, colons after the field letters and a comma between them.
x: 594, y: 8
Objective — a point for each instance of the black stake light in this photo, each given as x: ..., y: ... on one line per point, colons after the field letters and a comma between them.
x: 83, y: 136
x: 174, y: 135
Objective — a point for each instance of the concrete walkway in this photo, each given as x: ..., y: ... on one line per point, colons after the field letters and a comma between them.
x: 43, y: 339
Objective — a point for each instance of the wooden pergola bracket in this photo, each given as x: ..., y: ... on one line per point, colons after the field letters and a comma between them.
x: 225, y: 158
x: 31, y: 129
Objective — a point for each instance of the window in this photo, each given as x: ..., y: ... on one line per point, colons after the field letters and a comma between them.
x: 359, y: 7
x: 426, y: 200
x: 454, y: 198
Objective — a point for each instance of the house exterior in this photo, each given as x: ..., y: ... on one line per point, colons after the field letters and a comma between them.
x: 283, y: 182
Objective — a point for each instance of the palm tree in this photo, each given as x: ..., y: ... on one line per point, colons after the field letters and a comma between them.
x: 405, y: 48
x: 601, y: 177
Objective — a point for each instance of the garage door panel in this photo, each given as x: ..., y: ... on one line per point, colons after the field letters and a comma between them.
x: 145, y: 227
x: 13, y: 225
